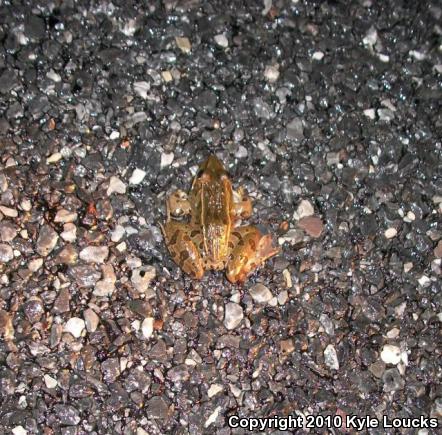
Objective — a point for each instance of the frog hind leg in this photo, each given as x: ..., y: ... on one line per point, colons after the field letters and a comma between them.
x: 250, y: 247
x: 182, y: 249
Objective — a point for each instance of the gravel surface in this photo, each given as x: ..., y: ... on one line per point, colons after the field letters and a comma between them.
x: 328, y: 113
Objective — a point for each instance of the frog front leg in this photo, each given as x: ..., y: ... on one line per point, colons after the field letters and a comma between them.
x: 182, y: 249
x: 242, y: 204
x: 178, y: 204
x: 250, y: 247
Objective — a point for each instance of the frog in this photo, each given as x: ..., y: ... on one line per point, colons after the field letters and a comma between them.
x: 203, y: 228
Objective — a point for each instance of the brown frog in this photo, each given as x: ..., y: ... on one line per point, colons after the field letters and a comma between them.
x: 210, y: 240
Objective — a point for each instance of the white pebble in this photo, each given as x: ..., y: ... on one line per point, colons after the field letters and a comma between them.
x: 117, y: 233
x: 318, y: 55
x: 222, y: 40
x: 390, y: 233
x: 390, y: 354
x: 75, y: 326
x: 137, y: 176
x: 271, y: 73
x: 214, y: 390
x: 94, y: 254
x: 166, y: 159
x: 54, y: 158
x: 305, y: 209
x: 19, y: 430
x: 147, y: 327
x: 114, y: 135
x: 50, y: 381
x: 116, y: 185
x: 370, y: 113
x: 141, y: 89
x: 260, y: 294
x: 424, y: 280
x: 331, y: 357
x: 233, y: 315
x: 212, y: 417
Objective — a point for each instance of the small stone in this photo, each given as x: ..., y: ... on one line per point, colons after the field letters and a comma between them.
x: 147, y: 327
x: 288, y: 279
x: 67, y: 415
x: 233, y: 315
x: 142, y: 277
x: 371, y: 37
x: 6, y: 253
x: 214, y: 390
x: 391, y: 354
x: 61, y: 304
x: 271, y: 73
x: 106, y: 286
x: 35, y: 264
x: 166, y: 159
x: 8, y: 211
x: 286, y: 346
x: 33, y: 309
x: 305, y: 209
x: 6, y: 327
x: 392, y: 380
x: 47, y: 239
x: 75, y: 326
x: 293, y: 236
x: 212, y: 417
x: 156, y: 408
x: 283, y: 297
x: 318, y: 55
x: 438, y: 250
x: 116, y: 186
x: 65, y: 216
x: 117, y: 233
x: 295, y: 130
x: 183, y: 44
x: 94, y: 254
x: 8, y: 231
x: 137, y: 176
x: 167, y: 76
x: 114, y: 135
x: 312, y: 225
x: 331, y: 357
x: 408, y: 266
x: 19, y: 430
x: 68, y: 255
x: 390, y: 233
x: 91, y: 320
x: 142, y: 89
x: 69, y: 233
x: 260, y: 293
x: 54, y: 158
x: 50, y: 381
x: 370, y: 113
x: 424, y: 281
x: 222, y: 40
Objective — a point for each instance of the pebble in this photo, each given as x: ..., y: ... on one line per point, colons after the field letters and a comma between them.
x: 424, y: 281
x: 8, y: 231
x: 305, y: 209
x: 142, y: 89
x: 370, y: 113
x: 75, y: 326
x: 65, y: 216
x: 295, y: 130
x: 166, y: 159
x: 390, y: 354
x: 221, y: 40
x: 233, y: 315
x: 183, y: 44
x: 260, y: 294
x: 94, y: 254
x: 69, y: 233
x: 147, y: 327
x: 50, y: 381
x: 35, y: 264
x: 271, y: 73
x: 214, y: 390
x: 47, y: 240
x: 212, y: 417
x: 6, y: 326
x: 142, y: 277
x: 116, y: 186
x: 286, y: 346
x: 312, y: 225
x: 54, y: 158
x: 91, y: 320
x: 67, y: 414
x: 318, y: 55
x: 9, y: 212
x: 118, y: 233
x: 68, y: 255
x: 392, y: 380
x: 390, y: 233
x: 106, y: 286
x: 137, y: 176
x: 331, y: 357
x: 6, y: 253
x: 19, y: 430
x: 438, y: 250
x: 292, y: 236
